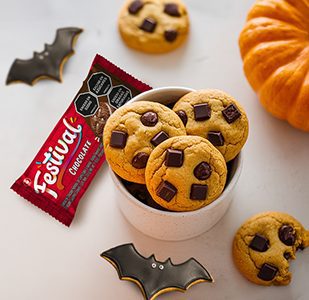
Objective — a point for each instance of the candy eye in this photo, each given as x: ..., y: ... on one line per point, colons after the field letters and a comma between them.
x: 161, y: 267
x: 154, y: 265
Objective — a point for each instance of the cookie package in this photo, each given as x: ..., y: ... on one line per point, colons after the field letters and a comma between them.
x: 69, y: 159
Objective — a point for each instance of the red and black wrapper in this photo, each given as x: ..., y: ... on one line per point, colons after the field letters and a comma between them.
x: 69, y: 159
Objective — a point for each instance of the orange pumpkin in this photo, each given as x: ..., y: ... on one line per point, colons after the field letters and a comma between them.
x: 274, y: 45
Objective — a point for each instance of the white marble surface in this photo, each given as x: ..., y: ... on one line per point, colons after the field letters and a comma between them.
x: 42, y: 259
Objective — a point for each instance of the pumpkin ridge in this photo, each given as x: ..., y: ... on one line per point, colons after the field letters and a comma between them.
x: 271, y: 105
x: 277, y: 10
x: 257, y: 66
x: 266, y: 30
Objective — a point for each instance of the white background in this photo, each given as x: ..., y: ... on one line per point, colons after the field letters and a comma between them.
x: 42, y: 259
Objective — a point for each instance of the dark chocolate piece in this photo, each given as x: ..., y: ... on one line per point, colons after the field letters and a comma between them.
x: 287, y: 255
x: 267, y: 272
x: 170, y: 35
x: 300, y: 247
x: 231, y: 113
x: 155, y: 277
x: 174, y: 158
x: 98, y: 120
x: 216, y: 138
x: 259, y: 243
x: 149, y: 118
x: 140, y: 192
x: 135, y: 7
x: 149, y: 25
x: 202, y: 171
x: 118, y: 139
x: 198, y: 191
x: 287, y: 235
x: 202, y: 112
x: 183, y: 116
x: 159, y: 138
x: 172, y: 9
x: 166, y: 191
x: 139, y: 161
x: 48, y: 63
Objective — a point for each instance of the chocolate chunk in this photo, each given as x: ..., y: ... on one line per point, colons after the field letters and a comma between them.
x: 183, y: 116
x: 159, y: 138
x: 259, y: 243
x: 166, y: 191
x: 139, y: 161
x: 118, y: 139
x: 202, y: 171
x: 231, y: 113
x: 149, y: 118
x: 216, y: 138
x: 198, y: 191
x: 267, y: 272
x: 202, y: 112
x: 174, y: 158
x: 149, y: 25
x: 172, y: 9
x: 287, y: 255
x: 287, y: 235
x: 301, y: 247
x: 135, y: 7
x: 170, y: 35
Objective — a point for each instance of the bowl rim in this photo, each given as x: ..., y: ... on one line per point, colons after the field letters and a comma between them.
x: 177, y: 214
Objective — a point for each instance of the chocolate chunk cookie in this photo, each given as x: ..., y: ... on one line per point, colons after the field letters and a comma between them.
x: 154, y: 26
x: 98, y: 120
x: 185, y: 173
x: 216, y: 116
x: 265, y: 243
x: 133, y: 131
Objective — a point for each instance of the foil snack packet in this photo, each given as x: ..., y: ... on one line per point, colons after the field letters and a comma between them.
x: 69, y: 159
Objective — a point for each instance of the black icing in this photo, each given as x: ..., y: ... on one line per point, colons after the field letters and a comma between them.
x: 155, y: 276
x: 46, y: 63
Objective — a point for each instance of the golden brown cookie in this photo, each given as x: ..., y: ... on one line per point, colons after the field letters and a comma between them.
x: 185, y: 173
x: 217, y: 116
x: 265, y: 243
x: 154, y: 26
x: 133, y: 131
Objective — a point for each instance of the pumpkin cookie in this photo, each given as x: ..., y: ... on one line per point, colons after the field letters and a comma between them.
x: 265, y: 243
x: 185, y: 173
x: 133, y: 131
x: 154, y: 26
x: 217, y: 116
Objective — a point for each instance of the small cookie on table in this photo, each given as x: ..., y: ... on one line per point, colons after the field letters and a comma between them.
x: 265, y: 243
x: 154, y: 26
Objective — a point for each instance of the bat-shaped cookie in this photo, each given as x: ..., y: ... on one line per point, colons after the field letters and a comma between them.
x: 153, y: 277
x: 49, y: 62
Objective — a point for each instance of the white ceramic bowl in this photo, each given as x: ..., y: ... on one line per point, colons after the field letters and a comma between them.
x: 174, y: 226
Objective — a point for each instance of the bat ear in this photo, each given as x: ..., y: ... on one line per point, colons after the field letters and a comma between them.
x: 168, y: 261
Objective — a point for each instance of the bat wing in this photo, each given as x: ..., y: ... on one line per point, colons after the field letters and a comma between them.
x: 130, y: 265
x: 181, y: 277
x: 49, y: 62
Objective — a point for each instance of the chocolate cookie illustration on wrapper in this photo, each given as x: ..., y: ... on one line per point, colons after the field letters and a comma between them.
x: 98, y: 120
x: 154, y: 26
x: 265, y: 243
